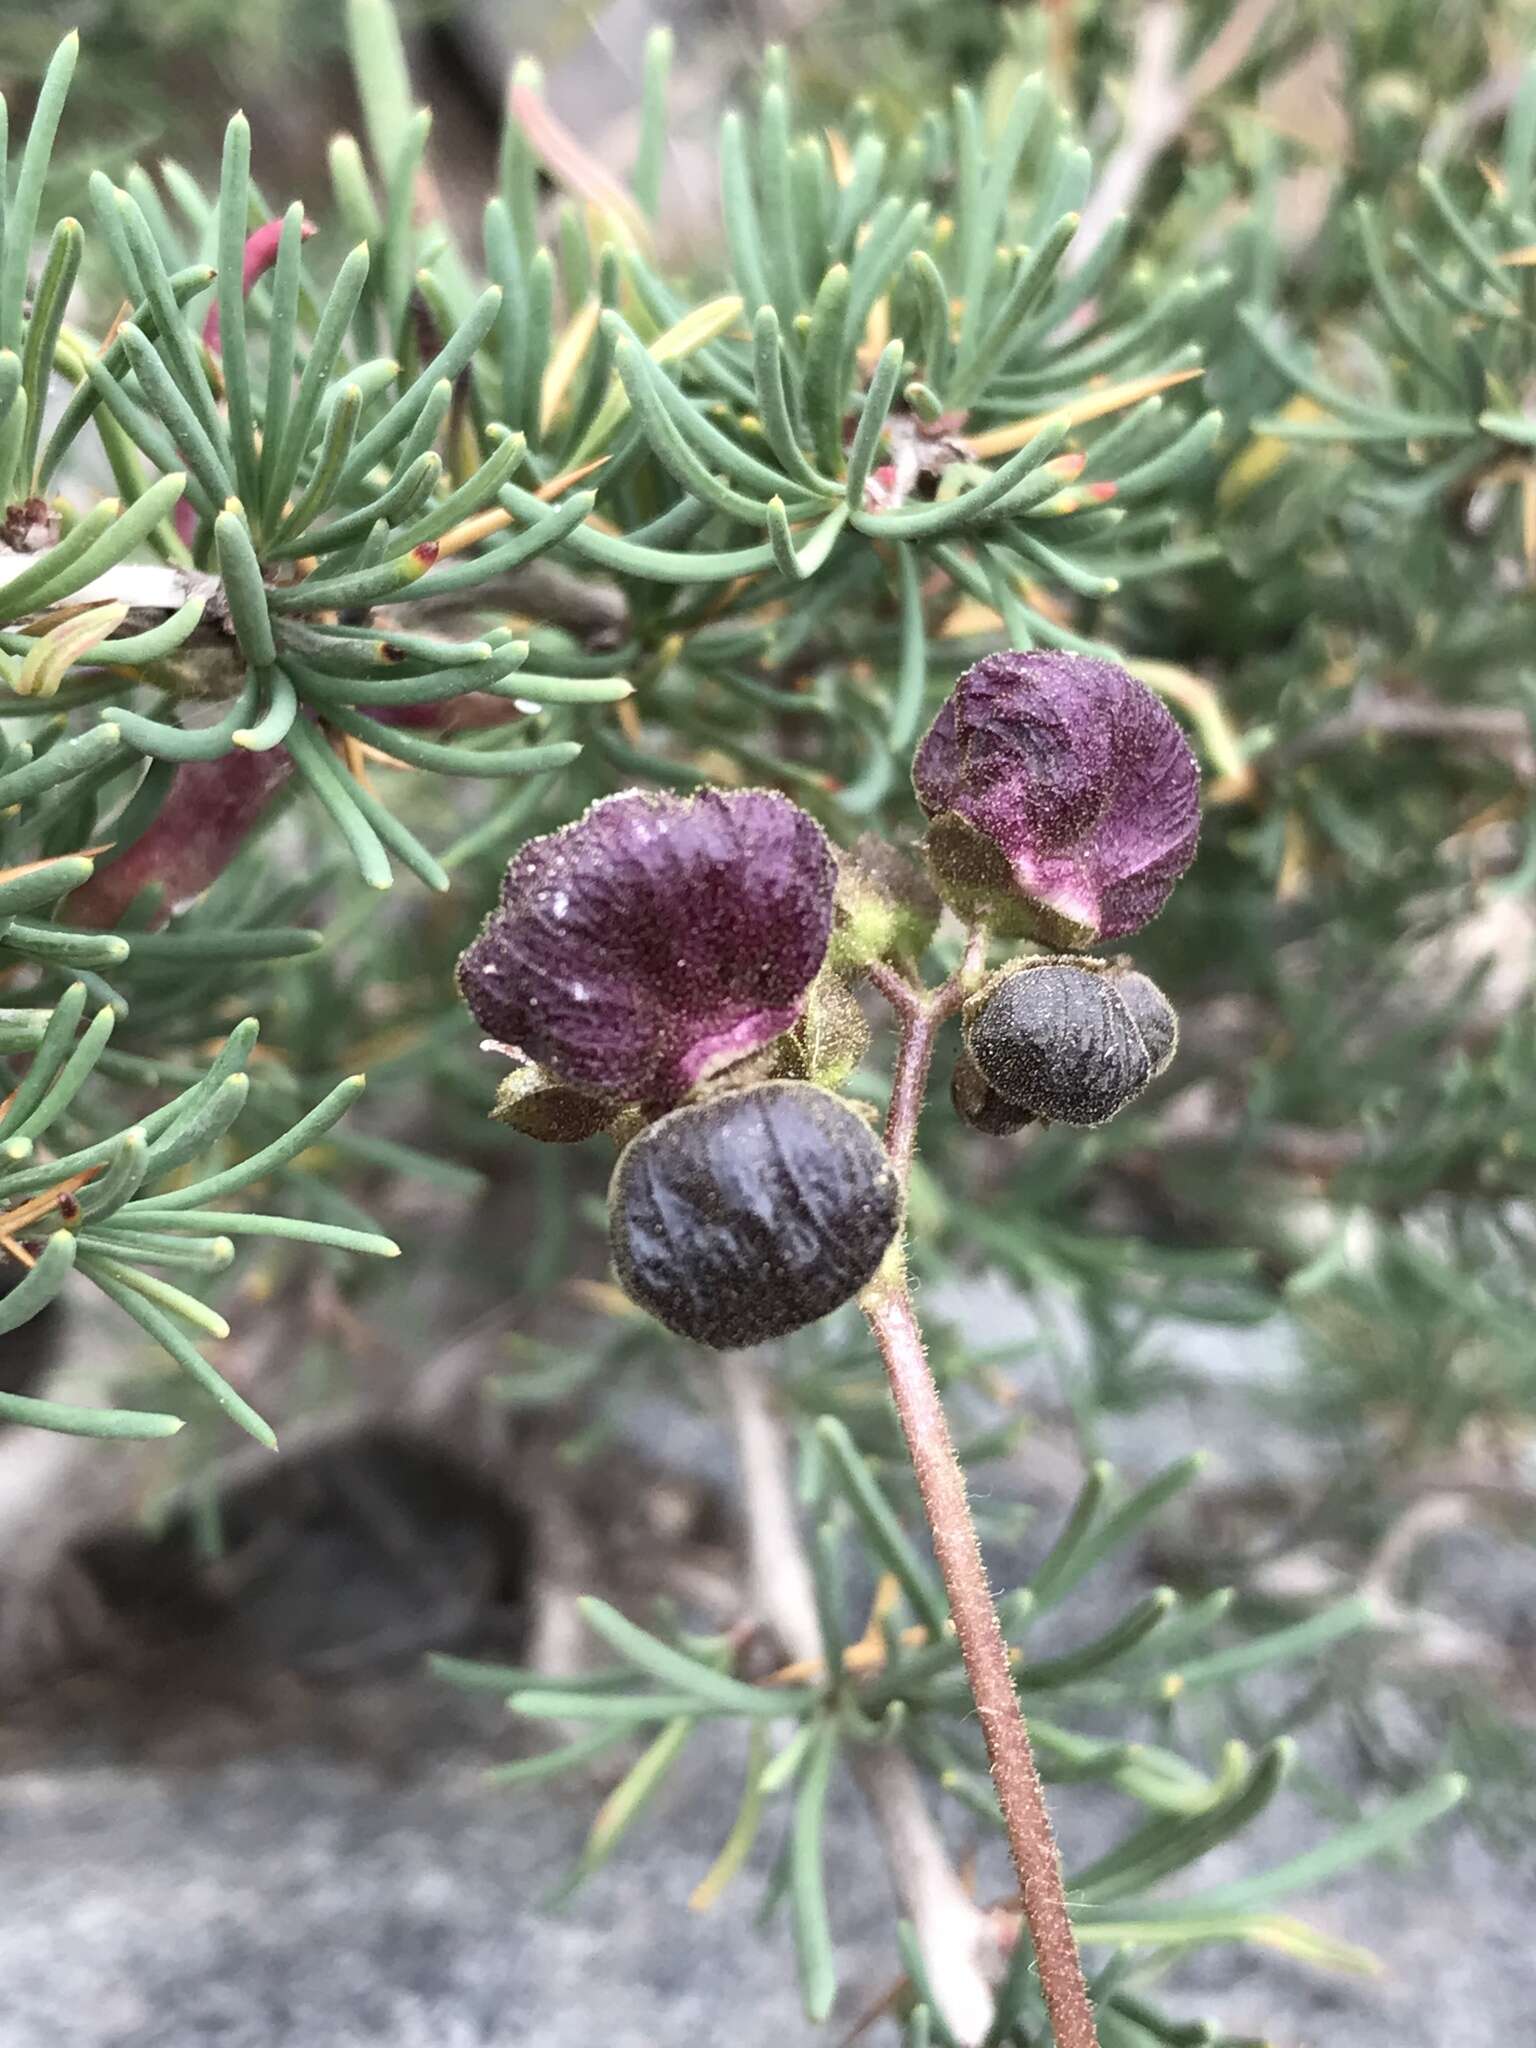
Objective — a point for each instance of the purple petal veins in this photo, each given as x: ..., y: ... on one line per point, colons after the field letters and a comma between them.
x: 656, y: 940
x: 1079, y: 778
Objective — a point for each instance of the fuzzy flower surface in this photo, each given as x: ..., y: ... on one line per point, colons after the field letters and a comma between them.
x: 1064, y: 800
x: 656, y: 940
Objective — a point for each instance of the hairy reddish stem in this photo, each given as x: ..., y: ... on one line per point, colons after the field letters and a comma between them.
x: 887, y: 1303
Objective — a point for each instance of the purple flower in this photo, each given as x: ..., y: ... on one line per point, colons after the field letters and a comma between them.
x: 656, y: 940
x: 1065, y: 802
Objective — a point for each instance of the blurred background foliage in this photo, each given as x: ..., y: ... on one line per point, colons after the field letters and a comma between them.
x: 1340, y: 603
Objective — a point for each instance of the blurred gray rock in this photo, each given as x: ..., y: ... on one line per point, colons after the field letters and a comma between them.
x: 300, y: 1899
x: 272, y: 1831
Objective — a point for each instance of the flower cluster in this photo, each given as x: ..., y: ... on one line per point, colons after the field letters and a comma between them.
x: 675, y: 971
x: 1063, y: 805
x: 657, y: 968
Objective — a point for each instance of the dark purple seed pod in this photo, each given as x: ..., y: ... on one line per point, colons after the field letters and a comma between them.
x: 753, y: 1213
x: 1152, y: 1014
x: 978, y: 1103
x: 1070, y: 1041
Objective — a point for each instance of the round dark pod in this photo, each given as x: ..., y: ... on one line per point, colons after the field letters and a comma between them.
x: 978, y: 1103
x: 1069, y: 1041
x: 738, y: 1219
x: 1152, y: 1014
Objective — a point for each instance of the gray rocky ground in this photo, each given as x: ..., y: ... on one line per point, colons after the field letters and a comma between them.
x: 215, y: 1850
x: 303, y: 1900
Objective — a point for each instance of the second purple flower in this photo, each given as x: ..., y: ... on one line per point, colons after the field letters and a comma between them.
x: 1064, y: 800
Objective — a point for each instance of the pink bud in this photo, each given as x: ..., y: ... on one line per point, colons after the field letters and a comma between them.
x: 261, y: 247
